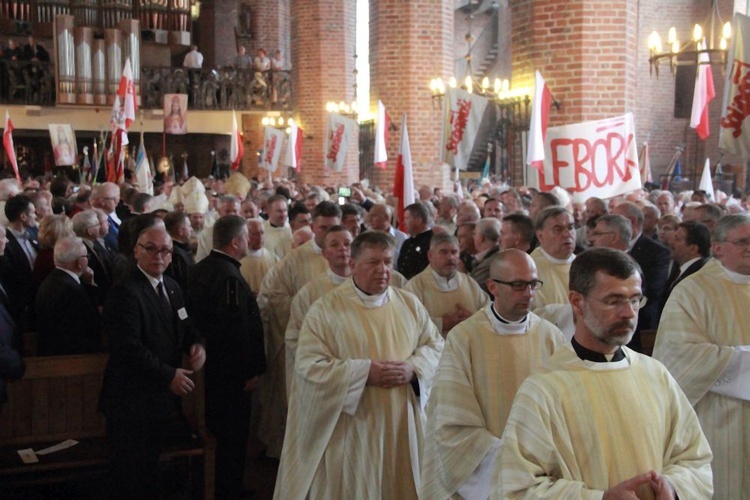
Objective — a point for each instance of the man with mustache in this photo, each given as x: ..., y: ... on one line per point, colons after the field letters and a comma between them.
x: 599, y: 420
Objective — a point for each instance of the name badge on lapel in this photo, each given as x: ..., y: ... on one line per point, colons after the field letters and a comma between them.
x: 182, y: 313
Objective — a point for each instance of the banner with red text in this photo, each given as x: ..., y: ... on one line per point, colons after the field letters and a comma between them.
x: 464, y: 115
x: 273, y: 139
x: 734, y: 133
x: 598, y: 158
x: 339, y: 131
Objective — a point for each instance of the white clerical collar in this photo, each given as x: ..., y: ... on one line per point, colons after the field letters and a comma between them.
x: 70, y: 273
x: 335, y: 278
x: 557, y: 261
x: 371, y: 301
x: 256, y: 253
x: 741, y: 279
x: 504, y: 326
x: 631, y: 244
x: 315, y: 248
x: 687, y: 264
x: 445, y: 284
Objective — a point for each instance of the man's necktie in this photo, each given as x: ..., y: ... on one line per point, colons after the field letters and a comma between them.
x: 163, y: 299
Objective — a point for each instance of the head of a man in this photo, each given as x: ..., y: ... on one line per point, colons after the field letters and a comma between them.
x: 228, y: 205
x: 70, y: 254
x: 312, y: 200
x: 486, y: 234
x: 730, y: 242
x: 665, y: 203
x: 20, y: 212
x: 443, y: 255
x: 633, y: 213
x: 651, y: 215
x: 231, y: 236
x: 611, y: 231
x: 106, y: 196
x: 337, y: 249
x: 178, y: 226
x: 666, y: 227
x: 416, y: 219
x: 197, y: 221
x: 299, y: 217
x: 691, y: 240
x: 540, y: 202
x: 465, y: 235
x: 153, y: 251
x: 425, y: 193
x: 556, y: 232
x: 606, y: 295
x: 372, y: 261
x: 493, y: 208
x: 42, y: 204
x: 467, y: 212
x: 577, y: 209
x: 379, y: 217
x: 351, y: 218
x: 325, y: 215
x: 516, y: 231
x: 708, y: 214
x: 277, y: 209
x: 248, y: 209
x: 513, y: 282
x: 594, y: 208
x: 86, y: 225
x: 256, y: 234
x: 448, y: 207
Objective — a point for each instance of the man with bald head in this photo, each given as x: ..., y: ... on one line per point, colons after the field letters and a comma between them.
x: 484, y: 362
x: 259, y: 260
x: 449, y: 296
x: 379, y: 218
x: 148, y: 331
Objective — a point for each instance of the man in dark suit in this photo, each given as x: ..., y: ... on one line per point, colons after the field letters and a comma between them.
x: 87, y: 226
x: 106, y: 196
x: 20, y: 255
x: 486, y: 238
x: 654, y: 258
x: 691, y: 249
x: 225, y: 310
x: 11, y: 363
x: 67, y: 317
x: 148, y: 329
x: 179, y: 228
x: 412, y: 258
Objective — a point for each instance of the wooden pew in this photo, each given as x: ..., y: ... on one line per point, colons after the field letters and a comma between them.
x: 57, y: 399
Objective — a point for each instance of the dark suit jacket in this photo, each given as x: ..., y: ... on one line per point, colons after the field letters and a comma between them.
x: 100, y: 262
x: 11, y: 363
x: 227, y: 315
x: 412, y: 258
x: 67, y: 317
x: 693, y: 268
x: 654, y: 258
x: 16, y: 277
x: 481, y: 270
x: 146, y: 346
x: 182, y: 264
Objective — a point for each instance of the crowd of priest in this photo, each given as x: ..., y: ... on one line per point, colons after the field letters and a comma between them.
x: 489, y: 343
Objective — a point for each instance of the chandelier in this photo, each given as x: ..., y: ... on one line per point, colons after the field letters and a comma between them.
x: 701, y: 49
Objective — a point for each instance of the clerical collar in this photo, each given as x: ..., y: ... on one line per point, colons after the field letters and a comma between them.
x: 740, y: 279
x: 504, y: 326
x: 275, y: 226
x: 315, y: 248
x: 371, y: 301
x: 255, y: 253
x: 445, y: 284
x: 335, y: 278
x: 557, y: 261
x: 597, y: 357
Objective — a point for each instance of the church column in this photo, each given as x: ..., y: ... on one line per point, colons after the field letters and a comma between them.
x: 411, y: 43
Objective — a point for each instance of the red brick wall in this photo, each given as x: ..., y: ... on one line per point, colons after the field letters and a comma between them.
x: 271, y: 26
x: 216, y: 26
x: 410, y: 43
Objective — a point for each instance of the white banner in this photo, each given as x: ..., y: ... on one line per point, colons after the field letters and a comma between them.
x: 273, y: 139
x: 733, y: 138
x: 339, y: 132
x: 464, y: 115
x: 598, y: 158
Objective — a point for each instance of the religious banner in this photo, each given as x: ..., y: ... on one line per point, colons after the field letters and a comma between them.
x: 597, y: 158
x: 463, y: 117
x: 338, y: 135
x: 63, y: 144
x: 175, y: 114
x: 273, y: 140
x: 734, y: 133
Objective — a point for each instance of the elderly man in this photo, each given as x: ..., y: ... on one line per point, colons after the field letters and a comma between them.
x: 148, y: 331
x: 517, y: 231
x: 593, y: 209
x: 484, y: 362
x: 226, y: 313
x: 449, y: 296
x: 708, y: 215
x: 465, y: 236
x: 106, y: 196
x: 91, y: 226
x: 412, y: 258
x: 666, y: 204
x: 599, y: 420
x: 67, y: 319
x: 447, y: 211
x: 227, y: 205
x: 611, y: 231
x: 278, y: 233
x: 651, y: 216
x: 355, y: 426
x: 259, y: 260
x: 486, y: 237
x: 703, y: 339
x: 379, y: 218
x: 556, y: 234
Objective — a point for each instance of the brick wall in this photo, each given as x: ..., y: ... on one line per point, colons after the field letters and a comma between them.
x: 271, y: 26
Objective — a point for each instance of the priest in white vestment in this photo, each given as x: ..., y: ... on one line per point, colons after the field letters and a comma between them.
x: 366, y: 357
x: 278, y: 232
x: 227, y: 205
x: 258, y: 261
x: 449, y: 296
x: 484, y: 362
x: 557, y: 241
x: 599, y: 420
x: 704, y: 341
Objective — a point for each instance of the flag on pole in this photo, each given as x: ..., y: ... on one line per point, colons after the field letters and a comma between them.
x: 382, y: 126
x: 734, y: 136
x: 237, y: 148
x: 538, y: 126
x: 273, y: 140
x: 143, y: 170
x: 339, y: 131
x: 9, y: 146
x: 702, y: 96
x: 464, y: 115
x: 644, y: 162
x: 403, y: 184
x: 706, y: 183
x: 126, y: 91
x: 294, y: 146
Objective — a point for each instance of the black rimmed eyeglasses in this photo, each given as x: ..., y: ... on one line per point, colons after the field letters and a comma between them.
x: 520, y: 286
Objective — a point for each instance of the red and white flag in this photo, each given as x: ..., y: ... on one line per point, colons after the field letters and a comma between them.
x: 403, y: 184
x: 236, y: 148
x: 273, y: 140
x: 293, y: 156
x: 464, y: 115
x: 538, y: 126
x: 339, y: 132
x: 734, y: 133
x: 126, y: 91
x: 382, y: 126
x: 704, y: 93
x: 9, y: 147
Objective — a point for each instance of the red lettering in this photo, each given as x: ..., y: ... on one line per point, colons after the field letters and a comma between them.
x: 739, y: 108
x: 335, y: 137
x: 458, y: 120
x: 270, y: 148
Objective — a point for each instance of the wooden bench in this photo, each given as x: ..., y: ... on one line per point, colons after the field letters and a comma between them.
x: 57, y: 399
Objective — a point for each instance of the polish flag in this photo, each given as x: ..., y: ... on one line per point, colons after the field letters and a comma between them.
x: 704, y: 92
x: 382, y: 125
x: 8, y: 144
x: 236, y: 149
x: 403, y: 184
x: 538, y: 126
x: 126, y: 91
x: 294, y: 146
